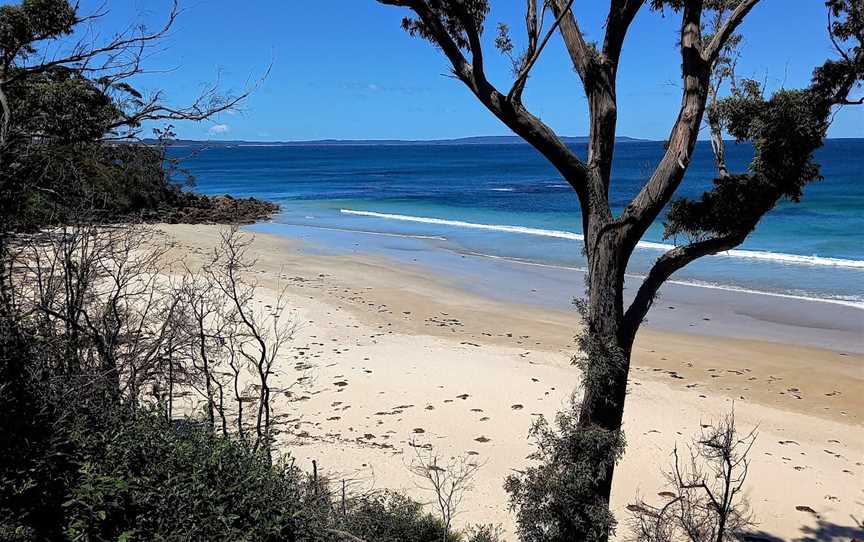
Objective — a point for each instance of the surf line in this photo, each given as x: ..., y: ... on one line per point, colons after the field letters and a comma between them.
x: 778, y: 257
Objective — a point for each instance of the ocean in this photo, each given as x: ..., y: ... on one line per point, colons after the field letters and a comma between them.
x: 504, y: 201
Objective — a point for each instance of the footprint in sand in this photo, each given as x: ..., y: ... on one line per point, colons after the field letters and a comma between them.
x: 419, y: 430
x: 517, y: 407
x: 482, y: 439
x: 463, y: 396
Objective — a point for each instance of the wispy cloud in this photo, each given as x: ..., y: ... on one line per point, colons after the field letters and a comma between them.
x: 219, y: 129
x: 367, y: 88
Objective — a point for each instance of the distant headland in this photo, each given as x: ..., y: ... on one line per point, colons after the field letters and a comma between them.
x: 474, y: 140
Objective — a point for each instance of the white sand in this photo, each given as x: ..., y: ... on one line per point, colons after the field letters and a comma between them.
x: 400, y: 341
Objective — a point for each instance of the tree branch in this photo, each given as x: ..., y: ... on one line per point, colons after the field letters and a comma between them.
x: 657, y: 192
x: 535, y: 51
x: 669, y: 263
x: 621, y: 14
x: 514, y: 116
x: 83, y: 55
x: 712, y: 50
x: 580, y: 53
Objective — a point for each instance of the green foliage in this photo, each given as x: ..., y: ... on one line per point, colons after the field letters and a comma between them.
x: 153, y: 480
x: 555, y: 499
x: 484, y: 533
x: 35, y: 445
x: 391, y: 517
x: 785, y: 130
x: 33, y: 20
x: 60, y: 107
x: 503, y: 41
x: 453, y: 14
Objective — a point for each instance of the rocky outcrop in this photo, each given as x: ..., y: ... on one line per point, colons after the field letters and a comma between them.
x: 192, y: 208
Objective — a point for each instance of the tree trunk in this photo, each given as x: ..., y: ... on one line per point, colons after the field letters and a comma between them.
x: 719, y: 148
x: 607, y: 345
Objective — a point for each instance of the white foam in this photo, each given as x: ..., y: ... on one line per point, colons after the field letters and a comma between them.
x: 846, y: 302
x: 779, y: 257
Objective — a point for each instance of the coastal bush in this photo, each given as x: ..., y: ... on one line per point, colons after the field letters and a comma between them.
x: 35, y: 444
x: 484, y: 533
x: 392, y: 517
x: 149, y: 479
x: 89, y: 449
x: 70, y: 126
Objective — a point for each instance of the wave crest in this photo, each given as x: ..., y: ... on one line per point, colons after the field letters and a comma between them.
x: 779, y: 257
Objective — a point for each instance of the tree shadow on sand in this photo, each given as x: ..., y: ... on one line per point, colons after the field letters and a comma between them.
x: 823, y: 531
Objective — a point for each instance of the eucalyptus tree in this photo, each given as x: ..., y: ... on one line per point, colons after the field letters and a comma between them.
x: 566, y: 496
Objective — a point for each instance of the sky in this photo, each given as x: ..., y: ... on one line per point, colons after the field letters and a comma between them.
x: 345, y: 69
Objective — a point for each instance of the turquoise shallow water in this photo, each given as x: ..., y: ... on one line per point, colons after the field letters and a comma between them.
x: 506, y: 201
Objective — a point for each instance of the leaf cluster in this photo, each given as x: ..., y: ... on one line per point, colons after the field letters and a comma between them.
x: 453, y: 14
x: 33, y: 20
x: 555, y: 498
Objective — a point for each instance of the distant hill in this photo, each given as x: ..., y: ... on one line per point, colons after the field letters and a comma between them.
x: 475, y: 140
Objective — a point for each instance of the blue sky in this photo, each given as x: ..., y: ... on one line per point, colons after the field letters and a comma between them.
x: 346, y: 70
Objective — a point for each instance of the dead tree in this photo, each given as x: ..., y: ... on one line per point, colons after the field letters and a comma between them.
x: 259, y: 334
x: 100, y: 297
x: 449, y: 481
x: 704, y: 496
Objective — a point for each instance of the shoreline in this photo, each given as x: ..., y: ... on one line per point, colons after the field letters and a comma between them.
x: 681, y: 307
x: 402, y: 353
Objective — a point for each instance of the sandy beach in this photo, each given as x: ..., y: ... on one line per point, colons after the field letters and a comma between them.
x: 403, y: 356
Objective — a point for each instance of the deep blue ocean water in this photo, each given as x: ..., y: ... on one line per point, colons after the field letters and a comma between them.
x: 507, y: 201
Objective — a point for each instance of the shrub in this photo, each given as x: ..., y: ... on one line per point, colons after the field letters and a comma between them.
x: 391, y: 517
x: 147, y: 479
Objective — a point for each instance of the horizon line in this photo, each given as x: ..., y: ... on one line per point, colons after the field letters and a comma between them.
x: 476, y: 138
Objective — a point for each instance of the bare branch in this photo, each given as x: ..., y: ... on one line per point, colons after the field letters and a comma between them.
x: 514, y: 116
x: 712, y: 50
x: 534, y: 51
